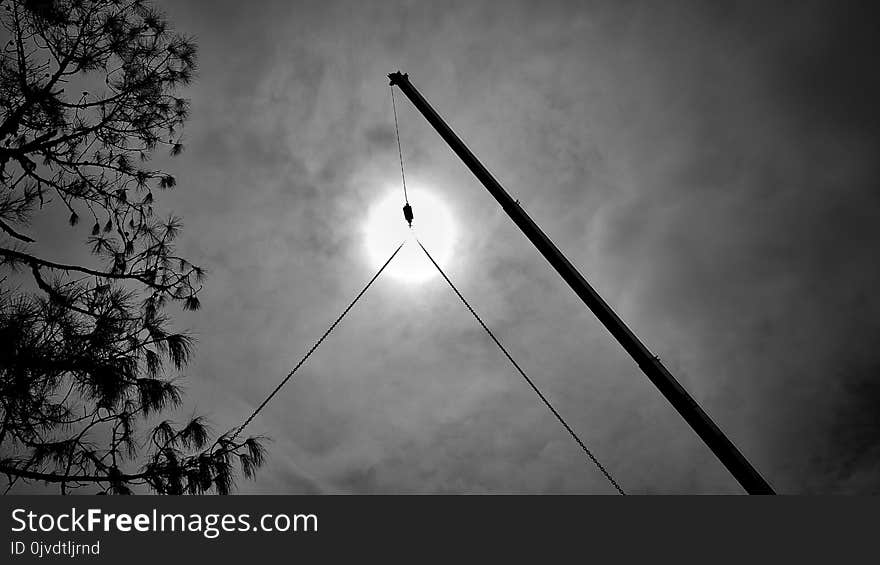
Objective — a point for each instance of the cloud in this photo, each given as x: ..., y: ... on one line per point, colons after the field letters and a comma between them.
x: 711, y: 170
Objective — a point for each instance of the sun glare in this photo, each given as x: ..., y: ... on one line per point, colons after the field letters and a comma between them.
x: 386, y: 228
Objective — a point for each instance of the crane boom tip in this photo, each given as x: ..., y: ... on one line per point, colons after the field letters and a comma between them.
x: 397, y: 77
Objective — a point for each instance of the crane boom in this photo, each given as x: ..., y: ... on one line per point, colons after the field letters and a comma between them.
x: 687, y: 407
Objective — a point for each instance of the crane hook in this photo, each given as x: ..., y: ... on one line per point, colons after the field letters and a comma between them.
x: 408, y: 214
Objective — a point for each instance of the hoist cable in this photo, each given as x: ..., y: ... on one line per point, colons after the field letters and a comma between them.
x: 525, y: 376
x: 399, y: 150
x: 315, y: 346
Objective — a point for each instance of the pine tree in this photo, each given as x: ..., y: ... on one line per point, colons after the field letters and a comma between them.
x: 88, y: 93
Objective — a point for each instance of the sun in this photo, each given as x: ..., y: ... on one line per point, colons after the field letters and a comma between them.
x: 386, y: 228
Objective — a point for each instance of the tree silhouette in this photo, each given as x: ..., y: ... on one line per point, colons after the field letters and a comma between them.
x: 88, y: 93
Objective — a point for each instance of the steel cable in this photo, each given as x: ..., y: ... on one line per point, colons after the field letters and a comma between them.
x: 315, y: 346
x: 525, y: 376
x: 399, y: 150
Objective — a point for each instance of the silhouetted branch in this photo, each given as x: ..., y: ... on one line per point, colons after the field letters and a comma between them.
x: 87, y: 353
x: 8, y: 229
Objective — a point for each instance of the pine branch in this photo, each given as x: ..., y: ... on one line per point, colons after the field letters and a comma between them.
x: 8, y: 229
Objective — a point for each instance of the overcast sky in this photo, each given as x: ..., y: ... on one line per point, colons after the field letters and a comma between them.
x: 712, y: 171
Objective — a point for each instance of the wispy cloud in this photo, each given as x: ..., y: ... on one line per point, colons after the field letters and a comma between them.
x: 712, y: 171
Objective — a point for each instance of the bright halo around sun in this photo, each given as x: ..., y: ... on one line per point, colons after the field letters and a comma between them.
x: 432, y: 224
